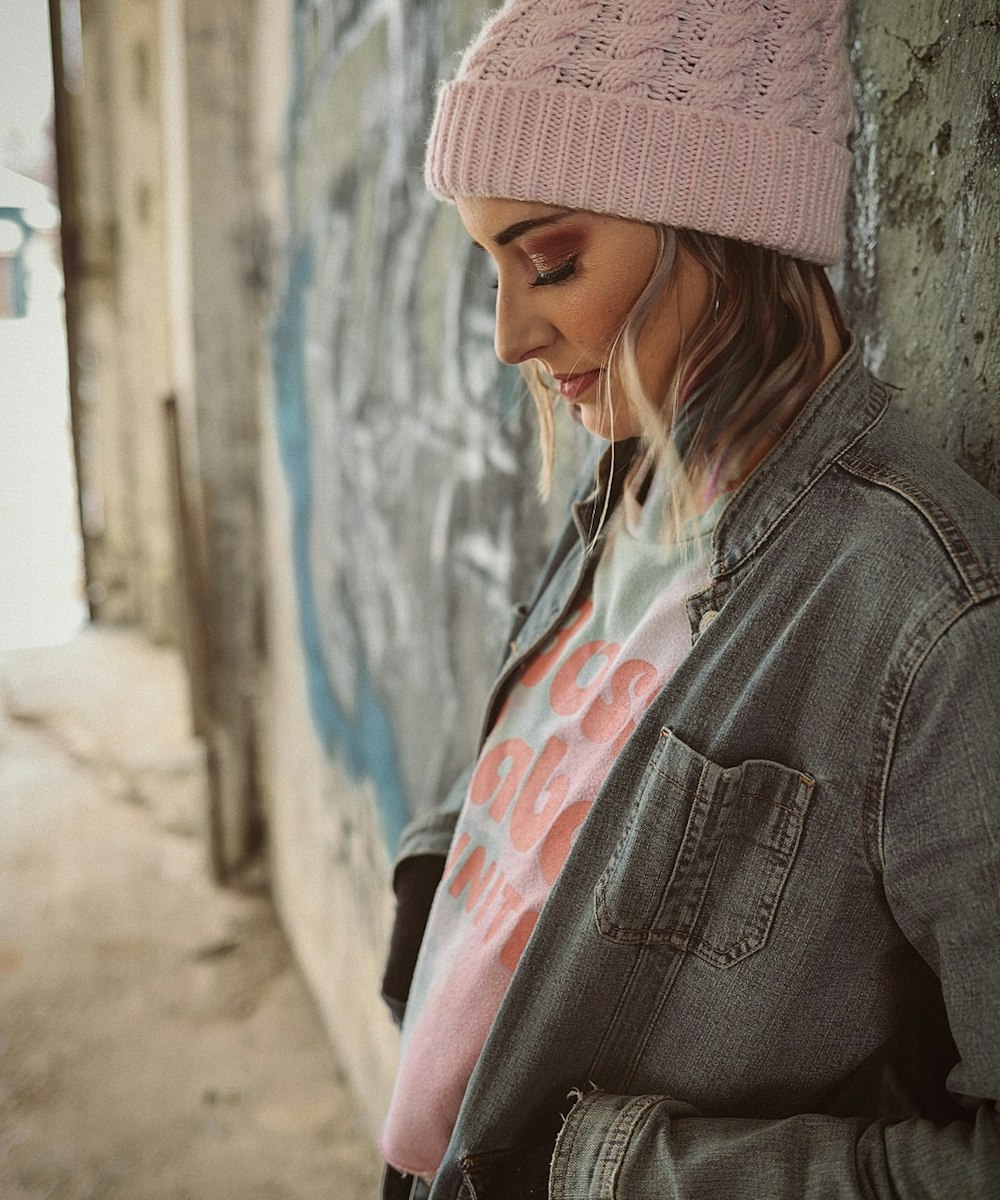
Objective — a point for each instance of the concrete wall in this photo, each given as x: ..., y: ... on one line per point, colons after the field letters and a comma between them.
x: 227, y: 290
x: 166, y: 279
x: 123, y: 359
x: 923, y: 270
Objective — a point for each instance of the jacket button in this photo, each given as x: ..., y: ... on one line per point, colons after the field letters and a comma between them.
x: 706, y: 619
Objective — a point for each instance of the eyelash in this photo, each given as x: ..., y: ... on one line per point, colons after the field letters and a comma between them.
x: 558, y: 274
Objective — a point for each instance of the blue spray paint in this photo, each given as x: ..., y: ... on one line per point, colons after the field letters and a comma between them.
x: 365, y: 743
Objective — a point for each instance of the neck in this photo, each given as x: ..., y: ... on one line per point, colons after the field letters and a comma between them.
x: 834, y: 340
x: 833, y: 330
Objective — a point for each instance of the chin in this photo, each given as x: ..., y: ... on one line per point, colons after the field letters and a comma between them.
x: 599, y: 424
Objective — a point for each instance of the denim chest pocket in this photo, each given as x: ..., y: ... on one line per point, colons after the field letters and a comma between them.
x: 705, y: 854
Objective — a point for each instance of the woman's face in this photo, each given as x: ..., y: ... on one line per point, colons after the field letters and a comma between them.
x: 566, y: 280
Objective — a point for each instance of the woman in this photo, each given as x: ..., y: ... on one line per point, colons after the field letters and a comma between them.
x: 719, y: 902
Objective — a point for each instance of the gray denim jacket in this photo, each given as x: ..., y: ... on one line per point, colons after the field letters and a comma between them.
x: 770, y: 967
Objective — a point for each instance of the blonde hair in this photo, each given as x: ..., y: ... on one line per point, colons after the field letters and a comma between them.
x: 743, y: 371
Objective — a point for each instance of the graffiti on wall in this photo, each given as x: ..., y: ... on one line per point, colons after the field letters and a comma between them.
x: 408, y: 450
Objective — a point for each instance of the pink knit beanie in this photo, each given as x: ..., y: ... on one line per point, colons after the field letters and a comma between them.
x: 727, y: 116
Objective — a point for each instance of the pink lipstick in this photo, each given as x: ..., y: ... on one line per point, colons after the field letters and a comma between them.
x: 572, y: 387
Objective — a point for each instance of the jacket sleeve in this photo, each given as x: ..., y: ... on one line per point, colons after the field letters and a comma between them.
x: 431, y: 832
x: 637, y: 1147
x: 419, y: 865
x: 939, y: 837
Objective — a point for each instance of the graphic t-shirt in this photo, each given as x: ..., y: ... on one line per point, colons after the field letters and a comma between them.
x: 573, y: 706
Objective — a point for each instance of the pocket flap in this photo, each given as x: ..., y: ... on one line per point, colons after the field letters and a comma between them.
x: 705, y: 854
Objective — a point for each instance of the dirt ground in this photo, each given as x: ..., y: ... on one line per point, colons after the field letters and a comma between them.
x: 156, y: 1039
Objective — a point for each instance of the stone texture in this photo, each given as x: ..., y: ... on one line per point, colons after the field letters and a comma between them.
x: 922, y: 281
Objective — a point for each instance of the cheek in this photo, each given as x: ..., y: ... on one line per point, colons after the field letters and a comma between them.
x: 614, y: 285
x: 658, y: 350
x: 594, y: 321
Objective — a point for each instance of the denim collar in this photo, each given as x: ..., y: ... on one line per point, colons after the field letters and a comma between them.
x: 846, y: 405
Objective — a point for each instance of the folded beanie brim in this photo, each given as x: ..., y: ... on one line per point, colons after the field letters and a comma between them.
x: 657, y: 161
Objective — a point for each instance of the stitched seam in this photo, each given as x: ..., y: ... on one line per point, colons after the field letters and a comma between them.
x: 616, y: 1137
x: 802, y: 425
x: 612, y: 1023
x: 618, y: 1140
x: 689, y: 942
x: 651, y: 1024
x: 890, y: 744
x: 961, y: 553
x: 945, y: 615
x: 806, y: 780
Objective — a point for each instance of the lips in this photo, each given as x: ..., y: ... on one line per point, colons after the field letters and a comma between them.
x: 572, y: 387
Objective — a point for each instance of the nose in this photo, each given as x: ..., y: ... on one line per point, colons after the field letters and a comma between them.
x: 522, y: 331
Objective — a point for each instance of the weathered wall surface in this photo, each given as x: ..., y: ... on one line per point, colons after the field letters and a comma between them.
x: 403, y: 441
x: 329, y: 861
x: 226, y: 286
x: 923, y: 272
x: 165, y: 257
x: 123, y: 364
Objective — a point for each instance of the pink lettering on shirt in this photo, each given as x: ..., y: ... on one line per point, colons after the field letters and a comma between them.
x: 565, y: 720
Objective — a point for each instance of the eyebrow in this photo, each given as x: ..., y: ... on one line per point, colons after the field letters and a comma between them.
x: 521, y: 227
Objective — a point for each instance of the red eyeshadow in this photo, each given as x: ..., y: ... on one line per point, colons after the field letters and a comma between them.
x: 553, y: 247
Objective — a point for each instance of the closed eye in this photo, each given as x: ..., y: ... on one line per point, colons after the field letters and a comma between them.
x: 558, y: 274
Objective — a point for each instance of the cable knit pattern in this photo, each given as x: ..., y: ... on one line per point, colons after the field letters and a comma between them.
x: 728, y: 116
